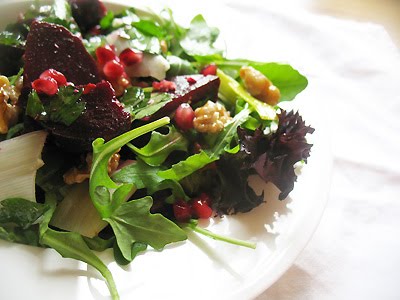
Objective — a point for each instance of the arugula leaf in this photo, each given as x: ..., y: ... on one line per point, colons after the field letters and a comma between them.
x: 188, y: 166
x: 200, y: 38
x: 145, y: 176
x: 197, y: 161
x: 141, y: 104
x: 72, y: 245
x: 160, y: 146
x: 225, y: 137
x: 137, y: 247
x: 100, y: 182
x: 132, y: 222
x: 21, y: 212
x: 28, y: 236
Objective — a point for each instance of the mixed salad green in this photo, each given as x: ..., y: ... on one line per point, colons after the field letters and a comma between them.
x: 121, y: 129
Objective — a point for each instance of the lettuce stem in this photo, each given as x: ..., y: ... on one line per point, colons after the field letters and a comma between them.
x: 193, y: 226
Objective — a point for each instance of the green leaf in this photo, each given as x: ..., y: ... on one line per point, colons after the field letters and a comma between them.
x: 99, y: 178
x: 289, y: 81
x: 72, y: 245
x: 12, y: 39
x: 141, y: 104
x: 132, y: 222
x: 98, y: 244
x: 160, y: 146
x: 150, y: 28
x: 200, y: 38
x: 188, y: 166
x: 225, y: 137
x: 21, y: 212
x: 27, y: 236
x: 34, y: 107
x: 66, y: 106
x: 138, y: 40
x: 137, y: 247
x: 230, y: 90
x: 197, y: 161
x: 144, y: 176
x: 13, y: 79
x: 179, y: 66
x: 13, y: 131
x: 106, y: 21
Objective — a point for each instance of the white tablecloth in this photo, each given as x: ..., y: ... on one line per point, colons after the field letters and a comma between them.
x: 355, y: 252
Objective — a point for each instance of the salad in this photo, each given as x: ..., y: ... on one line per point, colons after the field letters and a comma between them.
x: 122, y: 129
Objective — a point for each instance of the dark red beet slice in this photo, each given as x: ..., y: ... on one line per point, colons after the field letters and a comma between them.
x: 103, y: 117
x: 87, y: 13
x: 191, y: 89
x: 51, y: 46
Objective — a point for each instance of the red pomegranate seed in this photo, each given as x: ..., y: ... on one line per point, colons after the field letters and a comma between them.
x: 46, y: 86
x: 164, y: 86
x: 182, y: 211
x: 105, y: 54
x: 57, y: 76
x: 88, y: 88
x: 209, y: 70
x: 191, y: 80
x: 200, y: 209
x: 130, y: 57
x: 113, y: 69
x: 184, y: 116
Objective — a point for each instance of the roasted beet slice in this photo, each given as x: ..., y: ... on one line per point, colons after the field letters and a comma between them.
x: 103, y: 117
x: 50, y: 46
x: 191, y: 89
x: 87, y: 13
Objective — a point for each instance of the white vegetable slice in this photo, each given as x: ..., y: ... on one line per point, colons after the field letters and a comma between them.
x: 155, y: 66
x: 77, y: 213
x: 20, y: 157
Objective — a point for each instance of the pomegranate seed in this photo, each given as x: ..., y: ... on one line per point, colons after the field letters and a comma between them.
x: 164, y: 86
x: 88, y: 88
x: 191, y: 80
x: 184, y: 116
x: 200, y: 209
x: 182, y: 211
x: 46, y: 86
x: 105, y: 54
x: 130, y: 57
x: 113, y: 69
x: 57, y: 76
x: 209, y: 70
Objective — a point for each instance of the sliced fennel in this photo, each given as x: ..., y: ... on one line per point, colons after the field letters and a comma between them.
x: 20, y: 157
x: 77, y: 213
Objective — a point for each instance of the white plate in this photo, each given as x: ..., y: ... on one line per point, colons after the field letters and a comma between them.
x: 199, y: 268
